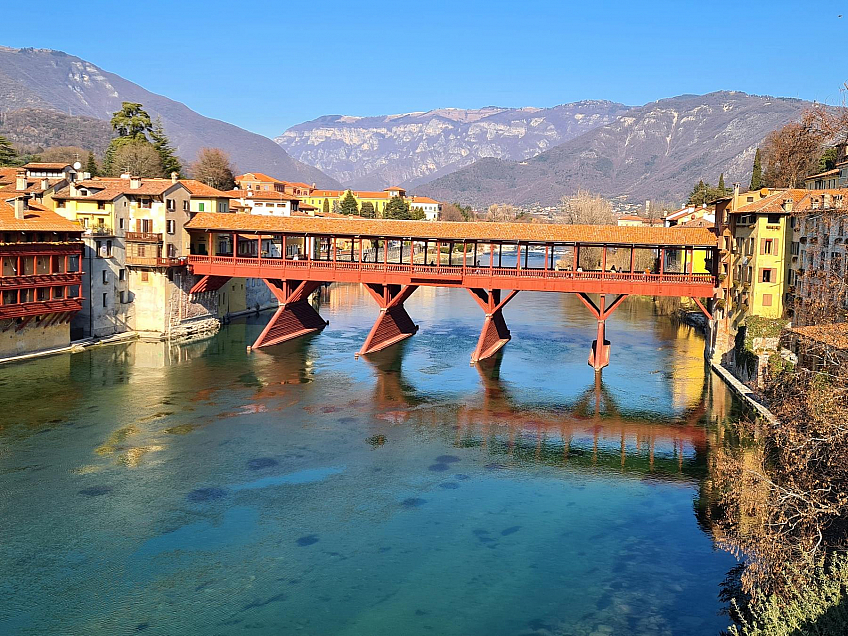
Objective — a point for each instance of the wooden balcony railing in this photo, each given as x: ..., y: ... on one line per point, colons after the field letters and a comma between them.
x: 144, y: 237
x: 155, y: 261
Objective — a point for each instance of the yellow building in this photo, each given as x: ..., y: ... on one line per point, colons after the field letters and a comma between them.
x: 757, y: 265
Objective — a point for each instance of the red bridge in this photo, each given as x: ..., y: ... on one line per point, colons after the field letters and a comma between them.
x: 296, y: 255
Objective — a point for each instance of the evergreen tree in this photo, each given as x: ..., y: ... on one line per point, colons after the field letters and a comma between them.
x: 721, y: 187
x: 326, y: 208
x: 8, y: 155
x: 368, y: 210
x: 757, y: 173
x: 91, y: 165
x: 162, y: 144
x: 348, y: 204
x: 396, y: 208
x: 133, y: 125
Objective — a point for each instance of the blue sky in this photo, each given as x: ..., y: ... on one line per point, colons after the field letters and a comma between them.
x: 268, y: 65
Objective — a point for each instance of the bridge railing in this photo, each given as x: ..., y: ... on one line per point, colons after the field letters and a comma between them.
x: 436, y: 271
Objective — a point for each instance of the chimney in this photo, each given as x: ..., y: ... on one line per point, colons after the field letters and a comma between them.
x: 125, y: 175
x: 20, y: 180
x: 735, y: 201
x: 787, y: 205
x: 174, y: 177
x: 72, y: 189
x: 20, y: 208
x: 45, y: 183
x: 135, y: 183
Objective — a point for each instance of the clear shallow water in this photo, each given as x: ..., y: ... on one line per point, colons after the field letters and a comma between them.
x: 199, y: 489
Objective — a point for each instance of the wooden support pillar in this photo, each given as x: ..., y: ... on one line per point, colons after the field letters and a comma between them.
x: 518, y: 256
x: 600, y: 354
x: 662, y: 261
x: 393, y: 324
x: 547, y: 247
x: 491, y: 255
x: 494, y: 334
x: 632, y: 258
x: 295, y: 317
x: 575, y: 257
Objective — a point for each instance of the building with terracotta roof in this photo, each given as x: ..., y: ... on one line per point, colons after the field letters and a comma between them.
x: 330, y: 200
x: 835, y: 178
x: 40, y: 279
x: 817, y: 264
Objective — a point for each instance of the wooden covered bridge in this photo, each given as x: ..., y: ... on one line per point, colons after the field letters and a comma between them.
x: 296, y: 255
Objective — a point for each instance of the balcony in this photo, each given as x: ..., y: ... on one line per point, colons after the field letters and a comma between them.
x: 155, y: 261
x: 144, y: 237
x: 38, y: 308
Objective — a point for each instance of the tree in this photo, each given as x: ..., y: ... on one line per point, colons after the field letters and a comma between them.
x: 326, y: 207
x: 721, y: 187
x: 132, y: 121
x: 63, y: 154
x: 828, y: 158
x: 585, y: 208
x: 133, y: 125
x: 139, y: 158
x: 757, y: 172
x: 793, y: 152
x: 167, y: 155
x: 213, y: 167
x: 396, y: 208
x: 452, y: 212
x: 502, y: 212
x: 417, y: 214
x: 349, y: 205
x: 704, y: 194
x: 368, y: 210
x: 91, y: 165
x: 8, y: 155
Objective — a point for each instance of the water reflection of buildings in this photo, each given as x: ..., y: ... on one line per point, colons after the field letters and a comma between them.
x: 592, y: 432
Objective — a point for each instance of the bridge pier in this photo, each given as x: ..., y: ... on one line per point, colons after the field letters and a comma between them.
x: 394, y: 323
x: 599, y: 357
x: 495, y: 333
x: 295, y: 317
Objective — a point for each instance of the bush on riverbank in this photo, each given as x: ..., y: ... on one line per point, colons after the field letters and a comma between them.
x: 785, y: 506
x: 818, y: 607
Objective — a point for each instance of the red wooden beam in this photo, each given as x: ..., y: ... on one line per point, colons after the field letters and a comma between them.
x: 494, y: 334
x: 703, y: 309
x: 295, y: 317
x: 394, y: 323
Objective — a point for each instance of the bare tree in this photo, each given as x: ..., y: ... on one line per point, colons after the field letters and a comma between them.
x: 139, y: 158
x: 502, y: 212
x: 213, y: 167
x: 585, y: 208
x: 793, y: 152
x: 64, y: 154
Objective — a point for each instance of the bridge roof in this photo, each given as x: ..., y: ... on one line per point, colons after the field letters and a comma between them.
x: 455, y: 230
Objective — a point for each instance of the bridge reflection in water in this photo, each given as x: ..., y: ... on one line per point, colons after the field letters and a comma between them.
x: 296, y: 256
x: 592, y: 431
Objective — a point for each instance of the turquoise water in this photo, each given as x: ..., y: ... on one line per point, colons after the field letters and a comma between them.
x: 200, y: 489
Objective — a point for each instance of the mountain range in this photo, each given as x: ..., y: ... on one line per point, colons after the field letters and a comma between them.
x: 479, y: 156
x: 536, y: 155
x: 657, y: 151
x: 375, y: 152
x: 43, y: 81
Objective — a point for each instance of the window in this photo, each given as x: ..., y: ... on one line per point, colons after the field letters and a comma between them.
x: 123, y: 298
x: 122, y: 274
x: 105, y: 277
x: 144, y: 277
x: 170, y: 204
x: 98, y: 247
x: 767, y: 246
x: 200, y: 207
x: 104, y: 300
x: 185, y: 205
x: 101, y: 205
x: 795, y: 248
x: 171, y: 226
x: 766, y: 275
x: 121, y: 223
x: 773, y: 219
x: 766, y: 300
x: 109, y: 249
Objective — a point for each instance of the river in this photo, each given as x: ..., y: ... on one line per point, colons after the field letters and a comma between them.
x: 200, y: 489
